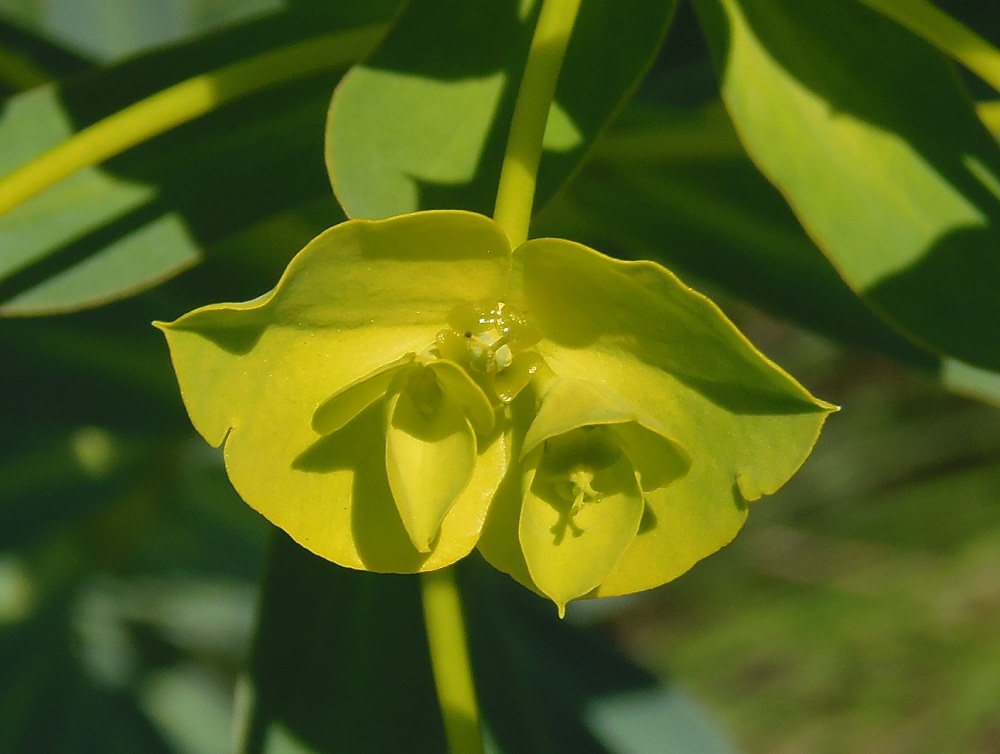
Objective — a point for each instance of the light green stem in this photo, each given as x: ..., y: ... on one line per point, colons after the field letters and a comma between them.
x: 450, y: 660
x: 946, y: 33
x: 180, y: 103
x: 515, y: 195
x: 516, y: 191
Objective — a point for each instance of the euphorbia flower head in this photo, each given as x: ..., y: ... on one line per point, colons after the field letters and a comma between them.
x: 413, y: 387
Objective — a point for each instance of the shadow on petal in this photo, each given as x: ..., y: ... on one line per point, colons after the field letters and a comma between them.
x: 641, y: 313
x: 739, y: 500
x: 648, y: 521
x: 228, y: 326
x: 379, y: 537
x: 739, y: 399
x: 565, y: 524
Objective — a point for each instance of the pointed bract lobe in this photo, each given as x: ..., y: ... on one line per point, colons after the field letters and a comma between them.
x: 430, y: 454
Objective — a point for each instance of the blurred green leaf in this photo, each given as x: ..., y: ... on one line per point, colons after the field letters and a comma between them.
x: 28, y: 58
x: 49, y: 705
x: 547, y: 685
x: 869, y: 135
x: 111, y: 29
x: 339, y: 652
x: 945, y: 32
x: 860, y: 606
x: 422, y: 124
x: 340, y: 662
x: 160, y: 208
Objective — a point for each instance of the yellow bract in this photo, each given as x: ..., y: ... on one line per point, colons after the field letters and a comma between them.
x: 412, y: 388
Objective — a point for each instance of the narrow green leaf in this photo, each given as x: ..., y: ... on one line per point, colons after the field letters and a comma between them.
x: 946, y: 33
x: 47, y: 58
x: 109, y: 232
x: 874, y: 143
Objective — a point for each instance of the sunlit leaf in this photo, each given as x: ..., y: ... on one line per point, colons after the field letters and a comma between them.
x: 869, y: 135
x: 674, y: 185
x: 422, y: 124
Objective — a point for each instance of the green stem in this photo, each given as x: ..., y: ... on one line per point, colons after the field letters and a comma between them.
x: 946, y: 33
x: 516, y: 191
x: 180, y: 103
x: 450, y: 659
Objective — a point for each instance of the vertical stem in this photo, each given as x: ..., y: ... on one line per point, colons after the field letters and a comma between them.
x: 450, y: 659
x: 516, y: 191
x: 515, y: 195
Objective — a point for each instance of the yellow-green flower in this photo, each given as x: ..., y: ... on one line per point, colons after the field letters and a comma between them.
x: 413, y: 387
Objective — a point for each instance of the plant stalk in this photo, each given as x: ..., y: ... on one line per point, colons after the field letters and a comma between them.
x: 179, y: 104
x: 519, y: 172
x: 450, y: 660
x: 515, y: 196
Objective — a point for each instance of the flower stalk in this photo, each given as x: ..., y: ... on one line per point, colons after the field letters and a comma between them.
x: 519, y: 172
x: 450, y: 661
x: 515, y: 197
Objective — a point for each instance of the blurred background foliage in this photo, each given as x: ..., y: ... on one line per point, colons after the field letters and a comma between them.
x: 859, y: 610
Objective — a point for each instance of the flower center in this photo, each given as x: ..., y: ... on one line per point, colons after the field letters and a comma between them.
x: 571, y: 462
x: 489, y: 351
x: 577, y: 489
x: 488, y: 335
x: 491, y: 341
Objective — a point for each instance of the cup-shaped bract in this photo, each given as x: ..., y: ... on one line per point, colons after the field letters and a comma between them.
x: 331, y: 399
x: 589, y: 460
x: 412, y: 387
x: 649, y: 362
